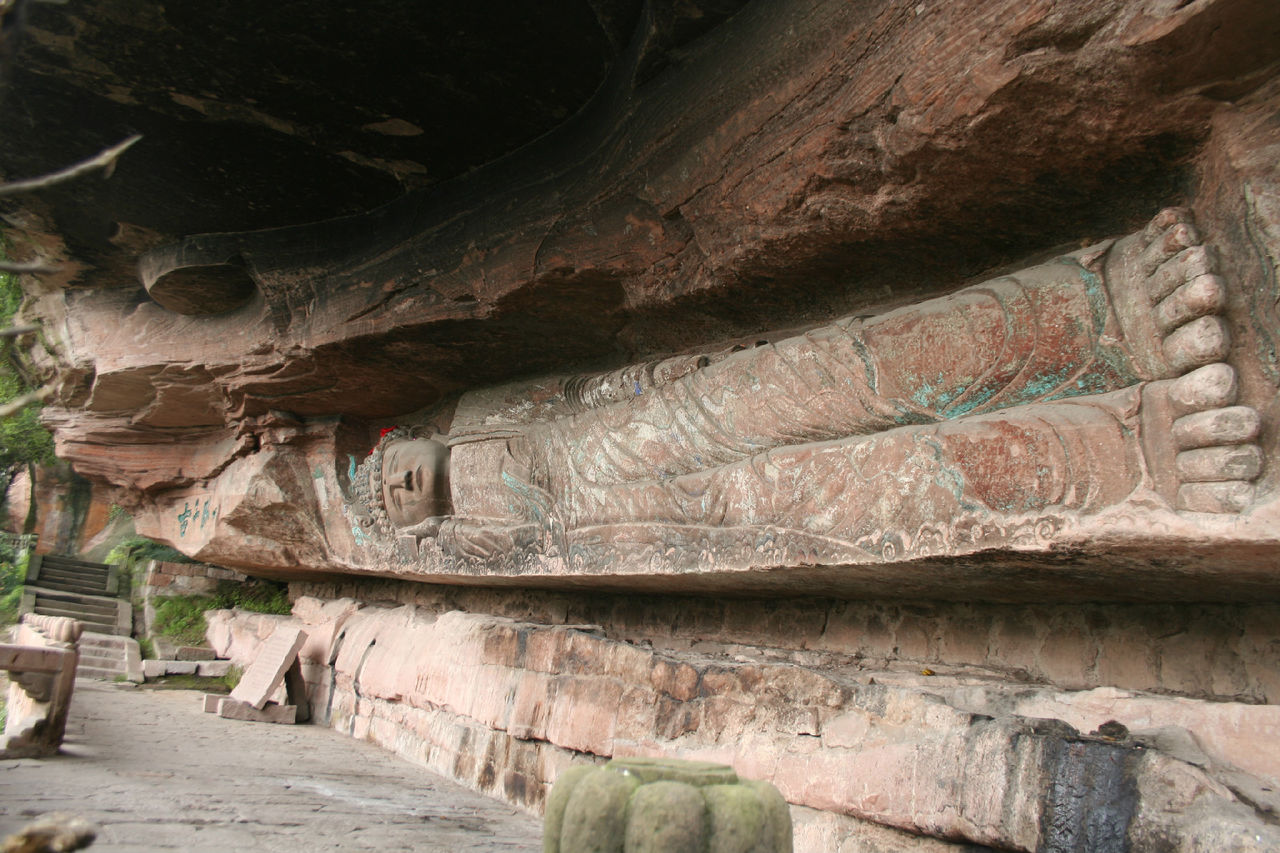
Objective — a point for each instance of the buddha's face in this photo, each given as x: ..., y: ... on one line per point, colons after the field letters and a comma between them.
x: 415, y: 480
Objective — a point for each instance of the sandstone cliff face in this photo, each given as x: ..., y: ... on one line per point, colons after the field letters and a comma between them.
x: 796, y: 163
x: 952, y: 324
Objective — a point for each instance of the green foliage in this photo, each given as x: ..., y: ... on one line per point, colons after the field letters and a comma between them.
x: 13, y: 571
x: 232, y: 678
x: 9, y: 605
x: 23, y: 440
x: 138, y: 549
x: 258, y: 596
x: 181, y: 618
x: 146, y: 648
x: 10, y: 294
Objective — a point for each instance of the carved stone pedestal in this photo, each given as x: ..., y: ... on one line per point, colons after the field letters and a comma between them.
x: 648, y: 805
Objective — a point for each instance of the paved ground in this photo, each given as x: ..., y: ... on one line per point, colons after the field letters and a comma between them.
x: 156, y: 773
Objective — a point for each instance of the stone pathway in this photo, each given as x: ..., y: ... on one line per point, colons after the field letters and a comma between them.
x: 156, y: 773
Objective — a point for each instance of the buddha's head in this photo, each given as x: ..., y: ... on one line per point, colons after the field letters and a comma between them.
x: 405, y: 480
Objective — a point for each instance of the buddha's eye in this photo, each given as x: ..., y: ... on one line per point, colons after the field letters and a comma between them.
x: 408, y: 481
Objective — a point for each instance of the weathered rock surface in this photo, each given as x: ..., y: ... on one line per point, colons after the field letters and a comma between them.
x: 513, y: 705
x: 743, y: 176
x: 967, y: 305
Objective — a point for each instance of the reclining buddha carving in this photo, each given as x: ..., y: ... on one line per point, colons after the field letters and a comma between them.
x: 1065, y: 388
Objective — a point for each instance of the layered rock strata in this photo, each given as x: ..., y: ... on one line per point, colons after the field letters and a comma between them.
x: 934, y: 345
x: 863, y: 754
x: 1070, y: 429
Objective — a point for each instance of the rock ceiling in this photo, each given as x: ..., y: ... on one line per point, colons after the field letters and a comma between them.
x: 362, y: 211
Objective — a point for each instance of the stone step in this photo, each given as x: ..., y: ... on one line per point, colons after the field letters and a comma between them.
x: 100, y: 614
x: 93, y: 576
x: 61, y: 560
x: 103, y: 658
x: 82, y: 606
x: 73, y: 577
x: 73, y: 612
x: 62, y: 586
x: 114, y: 656
x: 68, y: 574
x: 106, y: 656
x: 88, y: 617
x: 103, y: 641
x: 88, y: 602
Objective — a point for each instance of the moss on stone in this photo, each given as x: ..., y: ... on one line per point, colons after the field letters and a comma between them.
x: 595, y: 818
x: 658, y: 805
x: 553, y: 819
x: 697, y: 773
x: 667, y: 817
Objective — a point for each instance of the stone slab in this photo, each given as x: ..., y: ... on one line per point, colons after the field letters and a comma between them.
x: 266, y: 673
x: 31, y: 659
x: 270, y: 712
x: 153, y: 668
x: 194, y: 653
x: 213, y: 668
x: 211, y: 701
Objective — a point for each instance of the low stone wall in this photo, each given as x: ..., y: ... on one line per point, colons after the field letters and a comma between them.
x: 162, y: 579
x: 165, y: 578
x: 1204, y: 651
x: 892, y: 756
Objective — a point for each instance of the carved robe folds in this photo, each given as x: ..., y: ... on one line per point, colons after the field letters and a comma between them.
x: 1006, y: 404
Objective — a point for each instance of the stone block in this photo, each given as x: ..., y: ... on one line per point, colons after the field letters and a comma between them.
x: 153, y: 668
x: 180, y: 667
x: 166, y: 649
x: 211, y: 701
x: 213, y: 668
x: 133, y: 661
x: 270, y: 712
x: 266, y: 673
x: 194, y: 653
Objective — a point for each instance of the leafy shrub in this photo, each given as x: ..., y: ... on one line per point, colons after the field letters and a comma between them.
x: 9, y: 605
x: 13, y: 571
x: 258, y: 596
x: 24, y: 440
x: 137, y: 549
x: 181, y: 618
x: 232, y: 678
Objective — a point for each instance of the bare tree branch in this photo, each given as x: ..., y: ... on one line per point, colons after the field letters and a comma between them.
x: 14, y: 331
x: 19, y: 403
x: 105, y: 161
x: 34, y: 269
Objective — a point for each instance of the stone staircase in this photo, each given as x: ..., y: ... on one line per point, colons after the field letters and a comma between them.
x: 64, y: 586
x: 108, y: 657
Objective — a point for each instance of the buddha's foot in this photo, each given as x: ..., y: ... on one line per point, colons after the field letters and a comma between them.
x: 1217, y: 457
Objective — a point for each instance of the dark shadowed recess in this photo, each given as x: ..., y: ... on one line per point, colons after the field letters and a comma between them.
x: 264, y: 115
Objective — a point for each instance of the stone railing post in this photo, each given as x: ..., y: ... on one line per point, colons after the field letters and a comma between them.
x: 42, y: 672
